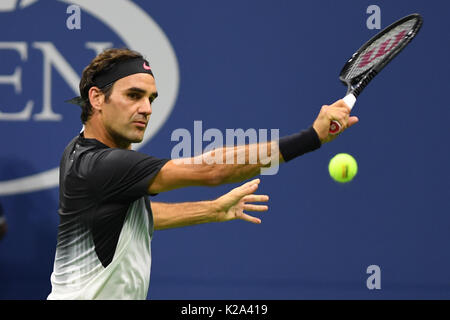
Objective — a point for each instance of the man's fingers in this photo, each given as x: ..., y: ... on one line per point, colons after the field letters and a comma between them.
x: 255, y: 207
x: 256, y: 198
x: 347, y: 121
x: 252, y: 182
x: 343, y: 114
x: 246, y: 188
x: 341, y: 104
x: 338, y: 111
x: 249, y: 218
x: 352, y: 121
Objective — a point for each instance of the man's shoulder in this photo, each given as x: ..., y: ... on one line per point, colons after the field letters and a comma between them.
x: 71, y: 144
x: 79, y: 145
x: 85, y: 156
x: 79, y: 155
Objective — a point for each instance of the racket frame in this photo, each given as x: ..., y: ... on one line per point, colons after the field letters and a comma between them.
x: 357, y: 84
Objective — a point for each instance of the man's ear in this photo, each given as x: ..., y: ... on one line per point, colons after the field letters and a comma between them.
x: 96, y: 98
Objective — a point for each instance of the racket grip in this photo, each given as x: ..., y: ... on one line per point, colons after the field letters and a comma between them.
x: 335, y: 126
x: 350, y: 100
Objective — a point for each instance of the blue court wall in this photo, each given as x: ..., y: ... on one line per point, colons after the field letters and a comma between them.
x: 243, y: 64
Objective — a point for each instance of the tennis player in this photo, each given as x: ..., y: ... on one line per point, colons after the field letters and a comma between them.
x: 106, y: 219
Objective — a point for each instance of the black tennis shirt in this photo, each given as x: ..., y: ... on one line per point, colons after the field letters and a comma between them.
x: 102, y: 190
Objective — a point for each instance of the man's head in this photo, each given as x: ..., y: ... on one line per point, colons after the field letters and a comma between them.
x: 117, y: 89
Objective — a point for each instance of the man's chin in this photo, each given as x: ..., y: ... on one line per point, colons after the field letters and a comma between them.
x: 137, y: 140
x: 138, y: 136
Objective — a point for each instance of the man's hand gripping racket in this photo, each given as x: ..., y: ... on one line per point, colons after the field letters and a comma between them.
x: 376, y: 53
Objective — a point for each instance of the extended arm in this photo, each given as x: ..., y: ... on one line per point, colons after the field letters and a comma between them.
x: 202, y: 171
x: 230, y: 206
x: 234, y: 164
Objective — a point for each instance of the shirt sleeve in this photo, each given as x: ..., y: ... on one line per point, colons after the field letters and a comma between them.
x: 123, y: 175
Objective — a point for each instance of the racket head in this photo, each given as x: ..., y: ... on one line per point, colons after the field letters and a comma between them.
x: 376, y: 53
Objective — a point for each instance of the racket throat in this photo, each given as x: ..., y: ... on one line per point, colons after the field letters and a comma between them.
x: 361, y: 84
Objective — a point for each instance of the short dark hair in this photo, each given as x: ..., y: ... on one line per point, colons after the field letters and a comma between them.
x: 105, y: 60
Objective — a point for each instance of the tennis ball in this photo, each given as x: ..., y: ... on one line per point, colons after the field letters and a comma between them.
x: 343, y: 167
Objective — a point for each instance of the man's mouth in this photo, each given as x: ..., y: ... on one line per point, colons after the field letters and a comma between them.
x: 141, y: 124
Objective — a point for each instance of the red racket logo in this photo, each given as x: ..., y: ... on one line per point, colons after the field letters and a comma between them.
x: 382, y: 49
x: 334, y: 127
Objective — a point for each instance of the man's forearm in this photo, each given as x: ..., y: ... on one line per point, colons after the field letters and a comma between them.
x: 229, y: 206
x: 174, y: 215
x: 233, y: 164
x: 238, y: 163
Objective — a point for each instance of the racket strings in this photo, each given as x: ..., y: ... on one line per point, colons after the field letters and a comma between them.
x: 379, y: 49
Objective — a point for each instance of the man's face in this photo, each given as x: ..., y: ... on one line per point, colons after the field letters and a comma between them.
x: 126, y: 114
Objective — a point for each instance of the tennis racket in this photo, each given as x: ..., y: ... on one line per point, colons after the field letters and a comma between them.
x: 373, y: 56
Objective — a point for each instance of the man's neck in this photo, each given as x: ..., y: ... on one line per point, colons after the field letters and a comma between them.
x: 94, y: 132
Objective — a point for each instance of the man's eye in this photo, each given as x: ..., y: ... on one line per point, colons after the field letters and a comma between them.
x: 133, y: 96
x: 153, y: 97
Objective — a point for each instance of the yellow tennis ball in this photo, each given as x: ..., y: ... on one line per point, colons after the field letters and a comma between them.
x: 343, y: 167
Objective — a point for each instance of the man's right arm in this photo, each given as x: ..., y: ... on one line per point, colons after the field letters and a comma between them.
x: 201, y: 171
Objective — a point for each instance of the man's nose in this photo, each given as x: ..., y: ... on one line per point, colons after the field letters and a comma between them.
x: 145, y: 107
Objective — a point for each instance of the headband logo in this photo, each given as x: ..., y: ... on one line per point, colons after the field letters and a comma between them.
x: 146, y: 67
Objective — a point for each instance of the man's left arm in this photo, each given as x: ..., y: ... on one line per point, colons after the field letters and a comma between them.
x: 230, y: 206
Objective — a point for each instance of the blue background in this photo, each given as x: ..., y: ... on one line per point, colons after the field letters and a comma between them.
x: 262, y: 64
